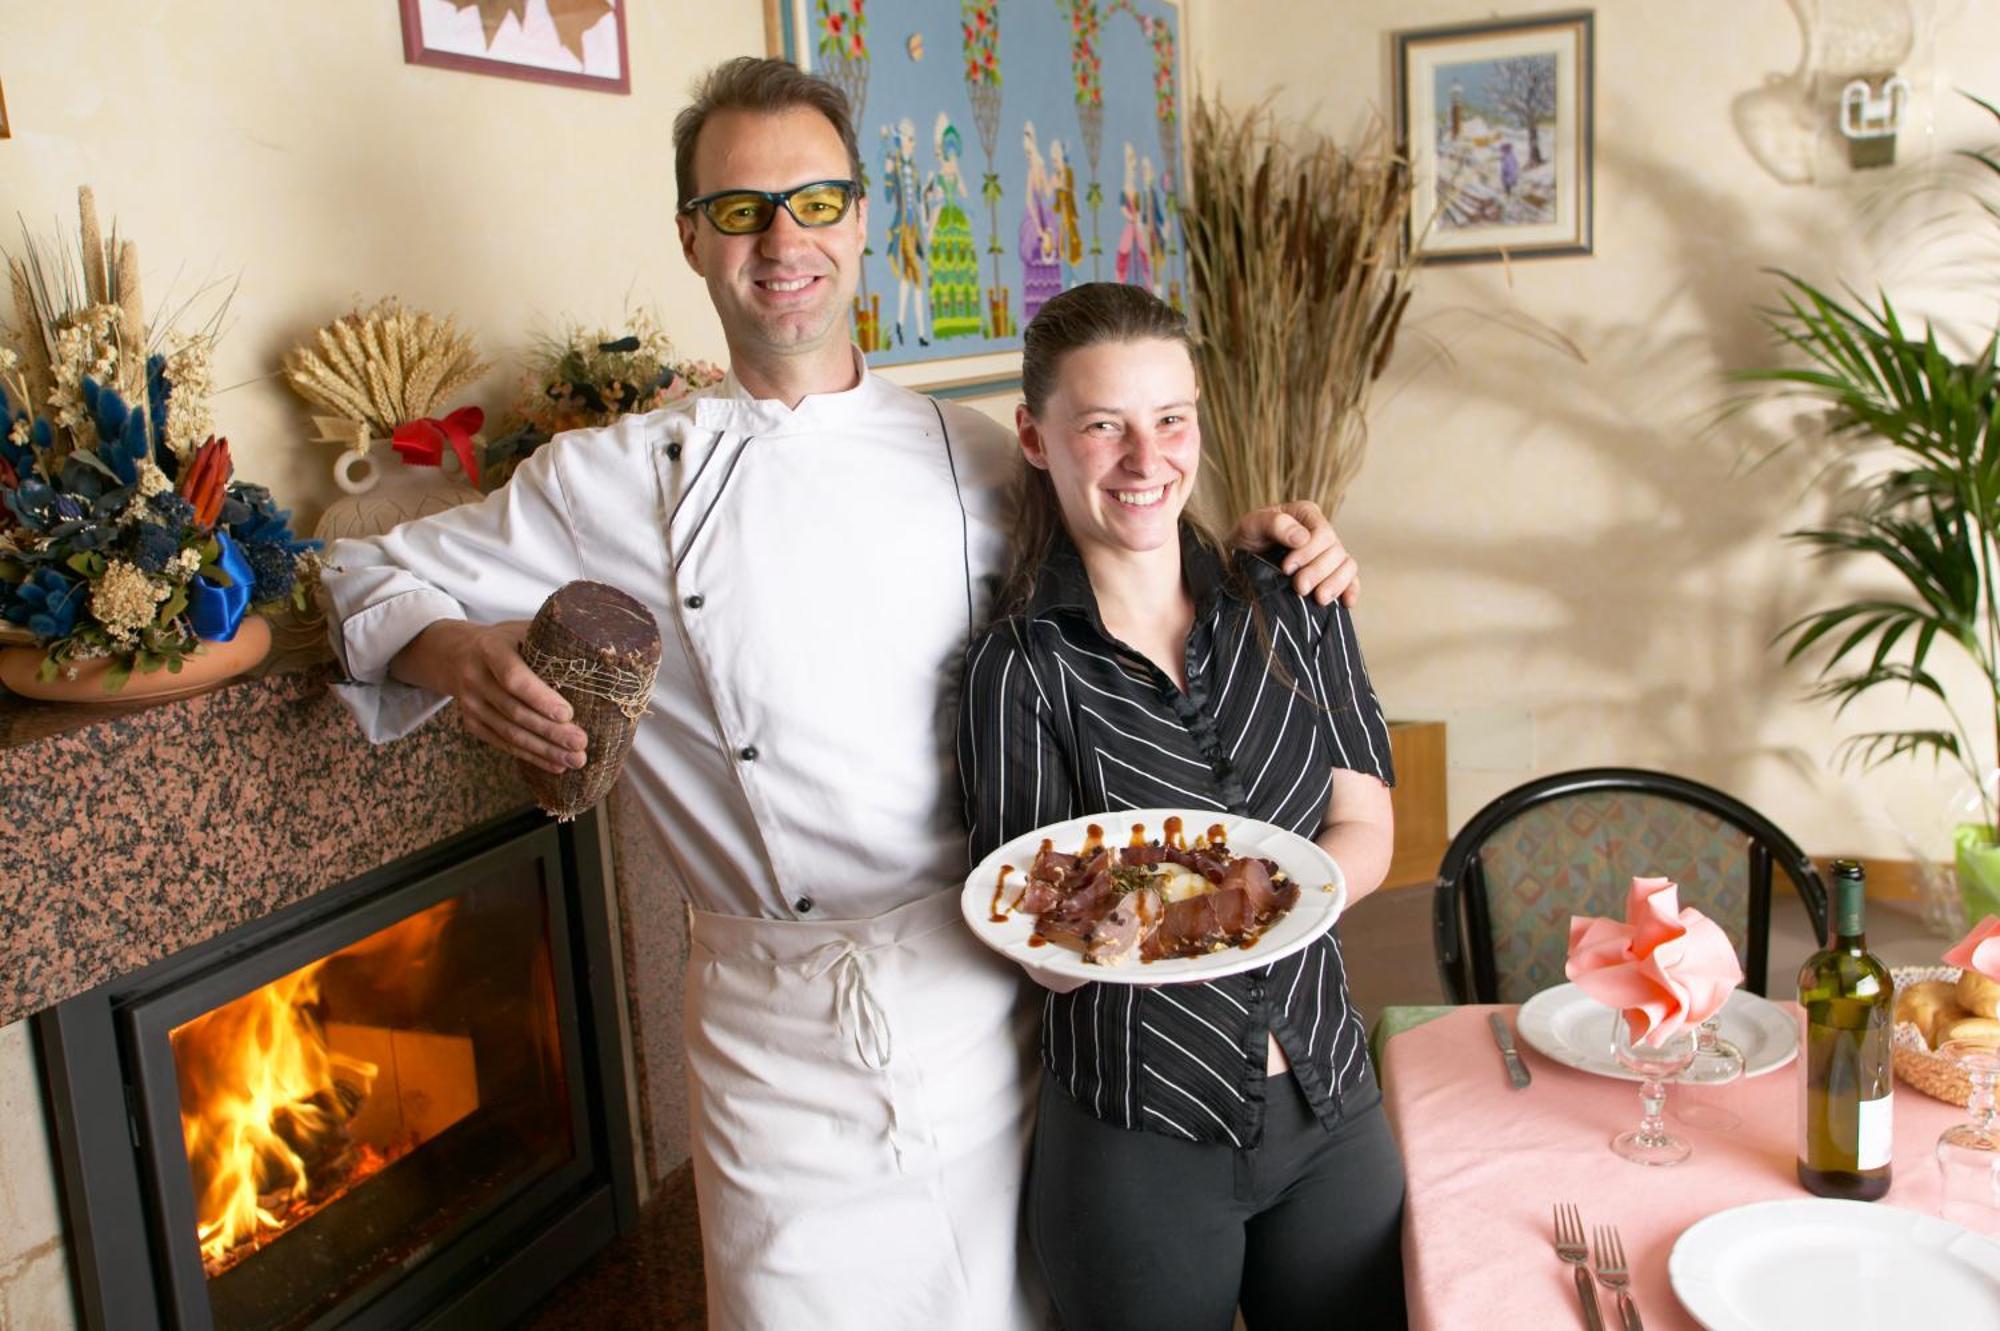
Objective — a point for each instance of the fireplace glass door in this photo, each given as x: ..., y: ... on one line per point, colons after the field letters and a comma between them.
x: 404, y: 1075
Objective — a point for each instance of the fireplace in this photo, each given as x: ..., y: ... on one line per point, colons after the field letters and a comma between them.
x: 400, y: 1102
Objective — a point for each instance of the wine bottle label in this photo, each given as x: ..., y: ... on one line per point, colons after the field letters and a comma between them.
x: 1875, y: 1131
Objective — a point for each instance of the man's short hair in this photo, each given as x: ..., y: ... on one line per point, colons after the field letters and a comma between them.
x: 753, y: 83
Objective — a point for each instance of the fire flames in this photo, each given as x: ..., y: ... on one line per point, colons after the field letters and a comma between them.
x: 275, y: 1098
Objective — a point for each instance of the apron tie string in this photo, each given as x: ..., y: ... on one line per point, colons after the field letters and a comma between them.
x: 854, y: 1003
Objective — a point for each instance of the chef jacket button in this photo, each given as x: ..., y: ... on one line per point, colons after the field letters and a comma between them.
x: 748, y: 753
x: 694, y: 602
x: 673, y: 452
x: 804, y: 905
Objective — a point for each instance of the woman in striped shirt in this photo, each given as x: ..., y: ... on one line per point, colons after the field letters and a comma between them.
x: 1200, y: 1146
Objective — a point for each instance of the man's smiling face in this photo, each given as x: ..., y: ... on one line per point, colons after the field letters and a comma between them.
x: 783, y: 292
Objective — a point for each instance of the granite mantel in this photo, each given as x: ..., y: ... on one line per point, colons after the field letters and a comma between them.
x: 134, y: 831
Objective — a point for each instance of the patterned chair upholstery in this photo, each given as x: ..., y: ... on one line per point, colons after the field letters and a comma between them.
x: 1570, y: 844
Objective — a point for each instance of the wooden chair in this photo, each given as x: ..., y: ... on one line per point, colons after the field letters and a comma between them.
x: 1571, y: 843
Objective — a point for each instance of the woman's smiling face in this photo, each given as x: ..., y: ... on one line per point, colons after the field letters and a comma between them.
x: 1119, y: 439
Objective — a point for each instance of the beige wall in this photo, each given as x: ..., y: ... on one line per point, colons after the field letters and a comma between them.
x: 1560, y: 559
x: 1561, y: 562
x: 289, y: 146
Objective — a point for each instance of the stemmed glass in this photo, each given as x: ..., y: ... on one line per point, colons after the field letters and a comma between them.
x: 1716, y: 1062
x: 1968, y: 1154
x: 1656, y: 1064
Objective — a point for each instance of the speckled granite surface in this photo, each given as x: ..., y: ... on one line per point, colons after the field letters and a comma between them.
x: 648, y: 1280
x: 133, y: 831
x: 653, y: 928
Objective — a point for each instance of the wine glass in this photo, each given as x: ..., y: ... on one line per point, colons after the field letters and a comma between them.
x: 1657, y: 1063
x: 1716, y: 1062
x: 1968, y: 1154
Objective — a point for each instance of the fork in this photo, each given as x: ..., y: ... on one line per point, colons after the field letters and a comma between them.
x: 1570, y: 1247
x: 1612, y: 1274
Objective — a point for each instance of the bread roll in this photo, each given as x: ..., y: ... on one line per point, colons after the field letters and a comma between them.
x: 1977, y: 994
x: 1927, y: 1005
x: 1979, y: 1030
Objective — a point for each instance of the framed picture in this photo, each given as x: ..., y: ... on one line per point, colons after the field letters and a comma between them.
x: 578, y: 43
x: 1497, y: 119
x: 1010, y: 151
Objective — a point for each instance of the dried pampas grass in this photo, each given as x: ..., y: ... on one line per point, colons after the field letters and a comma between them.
x: 1301, y: 277
x: 384, y: 366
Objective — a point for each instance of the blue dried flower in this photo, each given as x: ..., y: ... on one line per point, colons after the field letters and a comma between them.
x: 48, y: 603
x: 121, y: 432
x: 33, y: 504
x: 271, y: 565
x: 173, y: 510
x: 158, y: 390
x: 153, y: 546
x: 252, y: 517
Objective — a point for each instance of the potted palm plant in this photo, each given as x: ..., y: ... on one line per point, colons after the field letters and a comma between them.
x: 1926, y: 423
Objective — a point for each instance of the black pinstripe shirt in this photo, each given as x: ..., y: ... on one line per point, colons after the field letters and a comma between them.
x: 1060, y: 719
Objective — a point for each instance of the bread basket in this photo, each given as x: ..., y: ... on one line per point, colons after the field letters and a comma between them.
x: 1916, y: 1062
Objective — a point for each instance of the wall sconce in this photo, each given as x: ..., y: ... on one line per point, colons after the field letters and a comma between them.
x: 1871, y: 111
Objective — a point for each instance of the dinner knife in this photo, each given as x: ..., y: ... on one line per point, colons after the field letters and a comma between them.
x: 1517, y: 1071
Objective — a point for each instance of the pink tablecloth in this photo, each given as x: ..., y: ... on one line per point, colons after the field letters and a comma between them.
x: 1486, y: 1163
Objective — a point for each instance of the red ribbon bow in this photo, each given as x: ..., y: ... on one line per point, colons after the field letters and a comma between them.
x: 421, y: 443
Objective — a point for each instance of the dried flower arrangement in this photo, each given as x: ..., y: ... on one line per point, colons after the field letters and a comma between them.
x: 1301, y: 278
x: 383, y: 372
x: 592, y: 377
x: 123, y: 534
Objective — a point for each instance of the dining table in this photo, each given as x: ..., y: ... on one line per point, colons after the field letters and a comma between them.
x: 1486, y: 1163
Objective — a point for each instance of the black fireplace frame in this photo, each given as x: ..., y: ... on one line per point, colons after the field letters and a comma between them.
x: 130, y: 1209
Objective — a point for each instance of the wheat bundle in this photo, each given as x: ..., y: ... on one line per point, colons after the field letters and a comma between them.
x: 1301, y: 276
x: 599, y: 648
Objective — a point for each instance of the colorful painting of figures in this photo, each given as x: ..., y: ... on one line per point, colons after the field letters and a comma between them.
x: 1011, y: 150
x: 1497, y: 119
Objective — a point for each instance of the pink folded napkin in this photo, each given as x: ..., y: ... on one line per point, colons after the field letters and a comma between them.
x: 1665, y: 967
x: 1978, y: 950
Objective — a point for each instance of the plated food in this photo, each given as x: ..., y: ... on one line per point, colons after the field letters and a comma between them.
x: 1150, y: 899
x: 1133, y: 897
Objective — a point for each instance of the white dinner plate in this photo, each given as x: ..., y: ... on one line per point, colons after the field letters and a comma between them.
x: 1322, y: 894
x: 1574, y: 1029
x: 1772, y: 1266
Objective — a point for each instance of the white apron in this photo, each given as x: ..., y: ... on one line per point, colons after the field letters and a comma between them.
x: 860, y: 1098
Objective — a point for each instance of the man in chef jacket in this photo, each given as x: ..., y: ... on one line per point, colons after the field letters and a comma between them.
x: 813, y: 541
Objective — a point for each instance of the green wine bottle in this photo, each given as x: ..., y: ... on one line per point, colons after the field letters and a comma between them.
x: 1846, y: 1087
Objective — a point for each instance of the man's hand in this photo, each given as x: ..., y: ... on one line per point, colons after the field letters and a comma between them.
x: 500, y: 700
x: 1319, y: 564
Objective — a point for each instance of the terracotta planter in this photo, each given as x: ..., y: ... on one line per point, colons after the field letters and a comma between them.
x: 208, y: 664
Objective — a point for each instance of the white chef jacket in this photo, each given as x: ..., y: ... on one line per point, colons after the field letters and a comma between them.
x: 822, y: 568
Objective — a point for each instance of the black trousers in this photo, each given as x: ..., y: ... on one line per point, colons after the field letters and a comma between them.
x: 1136, y: 1231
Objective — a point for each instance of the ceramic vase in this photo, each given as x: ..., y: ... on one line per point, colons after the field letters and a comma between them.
x: 382, y: 491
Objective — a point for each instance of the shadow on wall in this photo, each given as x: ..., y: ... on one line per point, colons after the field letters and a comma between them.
x: 1648, y: 603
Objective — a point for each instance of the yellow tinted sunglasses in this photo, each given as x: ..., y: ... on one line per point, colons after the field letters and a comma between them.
x: 745, y: 212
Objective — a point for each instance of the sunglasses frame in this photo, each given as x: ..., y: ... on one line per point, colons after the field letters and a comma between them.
x: 782, y: 198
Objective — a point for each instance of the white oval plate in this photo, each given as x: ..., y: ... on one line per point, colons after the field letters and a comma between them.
x: 1771, y: 1266
x: 1571, y: 1027
x: 1322, y: 895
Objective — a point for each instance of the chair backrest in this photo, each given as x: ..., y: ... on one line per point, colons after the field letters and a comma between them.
x: 1571, y: 843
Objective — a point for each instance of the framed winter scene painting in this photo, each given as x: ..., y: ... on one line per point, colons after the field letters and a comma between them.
x: 1496, y: 118
x: 578, y: 43
x: 1010, y: 151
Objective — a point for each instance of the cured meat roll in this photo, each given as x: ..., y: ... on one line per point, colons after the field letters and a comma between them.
x: 600, y: 649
